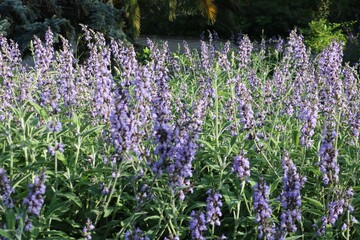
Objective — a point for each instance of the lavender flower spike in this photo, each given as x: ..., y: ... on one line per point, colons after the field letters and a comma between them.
x: 328, y: 157
x: 263, y: 211
x: 5, y: 189
x: 241, y: 165
x: 87, y: 229
x: 197, y: 225
x: 290, y: 197
x: 213, y: 211
x: 35, y: 199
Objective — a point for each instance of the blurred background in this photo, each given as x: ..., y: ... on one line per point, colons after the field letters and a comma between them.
x: 320, y: 21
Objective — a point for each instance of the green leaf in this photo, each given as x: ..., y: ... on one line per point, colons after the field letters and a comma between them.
x: 7, y: 233
x: 107, y: 212
x: 72, y: 197
x: 43, y: 113
x: 207, y: 144
x: 314, y: 202
x: 10, y: 219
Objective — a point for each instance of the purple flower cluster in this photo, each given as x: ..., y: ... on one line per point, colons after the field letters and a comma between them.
x: 308, y: 116
x: 9, y: 62
x: 197, y: 225
x: 161, y: 113
x: 54, y: 126
x: 66, y: 73
x: 98, y: 66
x: 351, y: 89
x: 329, y: 166
x: 58, y: 147
x: 244, y: 51
x: 245, y: 109
x: 329, y: 77
x: 88, y: 229
x: 5, y: 189
x: 182, y: 152
x: 213, y: 211
x: 241, y: 166
x: 123, y: 124
x: 125, y: 58
x: 46, y: 83
x: 290, y: 197
x: 336, y: 209
x: 223, y: 57
x: 266, y: 228
x: 35, y: 199
x: 137, y: 235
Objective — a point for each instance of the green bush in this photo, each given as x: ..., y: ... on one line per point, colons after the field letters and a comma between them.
x: 322, y: 32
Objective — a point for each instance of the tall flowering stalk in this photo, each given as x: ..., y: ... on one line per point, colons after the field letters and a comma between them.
x: 98, y: 65
x: 137, y: 235
x: 351, y: 90
x: 197, y: 225
x: 290, y: 197
x: 266, y: 228
x: 245, y: 108
x: 241, y: 166
x: 298, y: 57
x: 66, y: 71
x: 35, y: 199
x: 328, y: 153
x: 6, y: 189
x: 10, y: 62
x: 123, y: 123
x: 336, y: 209
x: 213, y: 207
x: 244, y: 50
x: 88, y: 229
x: 329, y: 78
x: 308, y: 115
x: 161, y: 113
x: 125, y: 58
x: 46, y: 82
x: 182, y: 153
x: 223, y: 60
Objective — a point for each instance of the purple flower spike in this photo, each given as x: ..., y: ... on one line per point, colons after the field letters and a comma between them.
x: 336, y: 209
x: 290, y: 197
x: 137, y: 235
x: 263, y: 210
x: 197, y: 225
x: 245, y: 109
x: 213, y: 211
x: 5, y: 189
x: 244, y: 51
x: 241, y: 166
x: 329, y: 166
x: 88, y: 229
x: 35, y: 199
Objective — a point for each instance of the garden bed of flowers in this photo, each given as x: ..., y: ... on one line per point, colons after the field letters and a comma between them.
x: 227, y: 142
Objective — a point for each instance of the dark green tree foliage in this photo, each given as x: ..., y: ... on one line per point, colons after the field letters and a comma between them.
x: 20, y: 20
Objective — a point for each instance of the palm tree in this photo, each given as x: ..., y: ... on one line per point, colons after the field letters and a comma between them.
x: 207, y: 9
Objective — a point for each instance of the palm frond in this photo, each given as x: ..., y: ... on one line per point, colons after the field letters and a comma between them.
x: 208, y: 9
x: 172, y: 9
x: 133, y: 10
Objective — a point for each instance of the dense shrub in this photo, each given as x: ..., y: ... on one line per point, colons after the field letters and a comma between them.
x: 228, y: 142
